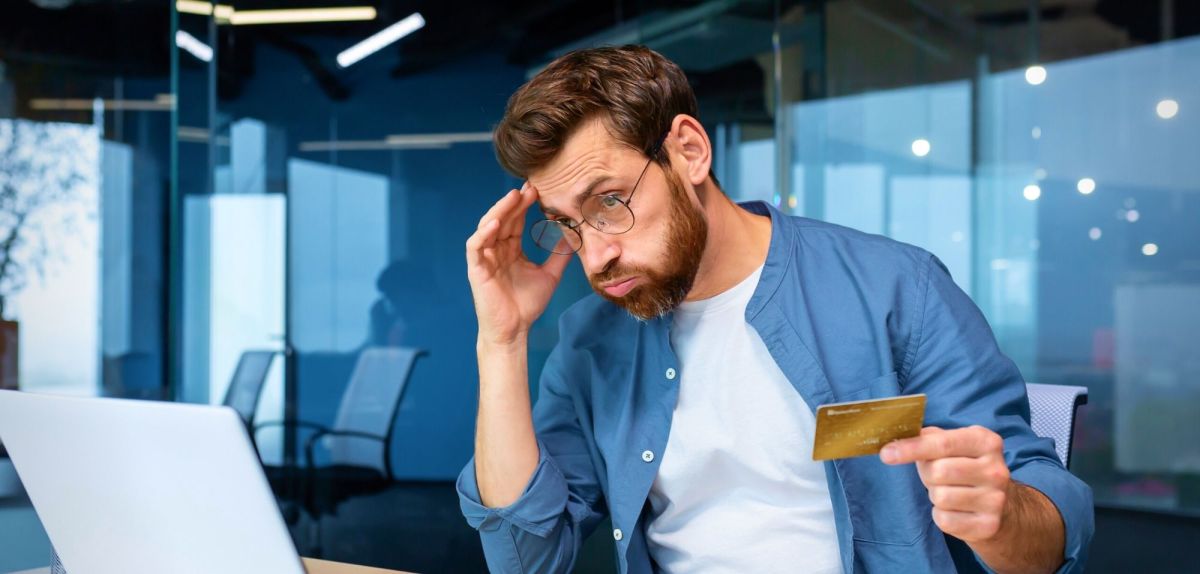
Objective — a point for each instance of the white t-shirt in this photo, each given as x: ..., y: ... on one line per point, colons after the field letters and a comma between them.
x: 737, y: 490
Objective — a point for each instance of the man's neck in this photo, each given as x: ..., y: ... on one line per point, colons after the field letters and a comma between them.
x: 737, y: 244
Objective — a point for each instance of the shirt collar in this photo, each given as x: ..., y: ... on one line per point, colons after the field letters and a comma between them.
x: 779, y: 256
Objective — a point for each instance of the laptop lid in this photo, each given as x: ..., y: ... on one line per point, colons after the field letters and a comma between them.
x: 126, y: 486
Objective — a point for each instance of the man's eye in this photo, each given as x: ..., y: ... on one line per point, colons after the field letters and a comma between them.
x: 609, y: 201
x: 565, y: 222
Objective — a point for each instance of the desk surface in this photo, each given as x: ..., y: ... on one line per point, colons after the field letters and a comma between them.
x: 312, y: 565
x: 315, y: 566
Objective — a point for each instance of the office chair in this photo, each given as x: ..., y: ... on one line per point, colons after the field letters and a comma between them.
x: 1052, y: 414
x: 245, y: 388
x: 358, y: 442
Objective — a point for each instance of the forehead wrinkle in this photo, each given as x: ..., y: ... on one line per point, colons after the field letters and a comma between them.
x: 577, y: 174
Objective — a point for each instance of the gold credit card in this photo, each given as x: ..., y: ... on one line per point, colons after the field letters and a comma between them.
x: 859, y: 428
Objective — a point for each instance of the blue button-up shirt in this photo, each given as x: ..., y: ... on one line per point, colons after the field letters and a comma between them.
x: 846, y: 316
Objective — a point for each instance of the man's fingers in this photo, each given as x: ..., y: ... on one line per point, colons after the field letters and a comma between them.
x: 964, y: 471
x: 967, y: 526
x: 481, y: 239
x: 516, y: 221
x: 500, y: 209
x: 937, y: 443
x: 967, y: 499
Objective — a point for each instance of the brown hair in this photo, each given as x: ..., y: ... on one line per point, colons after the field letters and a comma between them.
x: 634, y: 90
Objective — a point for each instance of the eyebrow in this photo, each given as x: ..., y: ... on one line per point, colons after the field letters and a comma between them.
x: 579, y: 197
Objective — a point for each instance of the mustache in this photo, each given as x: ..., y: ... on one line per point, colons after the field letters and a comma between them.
x: 616, y: 271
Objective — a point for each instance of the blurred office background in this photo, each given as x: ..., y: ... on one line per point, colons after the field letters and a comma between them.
x: 222, y: 204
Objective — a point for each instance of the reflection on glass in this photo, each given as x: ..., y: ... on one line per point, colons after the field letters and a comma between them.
x: 1071, y: 299
x: 50, y: 241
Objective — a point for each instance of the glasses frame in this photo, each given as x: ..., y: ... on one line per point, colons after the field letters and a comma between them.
x: 652, y: 154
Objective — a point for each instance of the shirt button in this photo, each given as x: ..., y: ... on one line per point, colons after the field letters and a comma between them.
x: 670, y: 374
x: 617, y: 535
x: 648, y: 456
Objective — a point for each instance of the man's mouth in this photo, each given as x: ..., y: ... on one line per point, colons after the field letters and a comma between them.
x: 620, y: 287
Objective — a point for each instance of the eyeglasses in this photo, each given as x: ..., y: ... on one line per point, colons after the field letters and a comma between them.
x: 605, y: 212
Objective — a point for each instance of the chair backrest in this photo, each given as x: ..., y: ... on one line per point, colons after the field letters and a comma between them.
x: 369, y: 405
x: 247, y: 384
x: 1052, y: 414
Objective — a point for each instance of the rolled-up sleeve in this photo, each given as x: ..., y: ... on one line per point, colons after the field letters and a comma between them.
x: 958, y: 364
x: 536, y: 511
x: 544, y: 528
x: 1073, y: 498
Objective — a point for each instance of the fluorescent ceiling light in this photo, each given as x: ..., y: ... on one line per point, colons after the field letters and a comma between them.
x: 189, y: 134
x: 301, y: 15
x: 78, y: 104
x: 221, y: 11
x: 364, y: 145
x: 193, y: 46
x: 406, y: 141
x: 227, y: 14
x: 381, y: 40
x: 449, y: 138
x: 194, y: 7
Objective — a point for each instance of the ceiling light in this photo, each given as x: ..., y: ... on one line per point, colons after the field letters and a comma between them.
x: 194, y: 7
x: 1167, y: 109
x: 381, y: 40
x: 921, y: 147
x: 1035, y: 75
x: 301, y: 15
x: 81, y: 105
x: 404, y: 141
x: 226, y: 14
x: 193, y: 46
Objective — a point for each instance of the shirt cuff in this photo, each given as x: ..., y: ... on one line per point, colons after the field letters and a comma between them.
x: 537, y: 510
x: 1073, y: 499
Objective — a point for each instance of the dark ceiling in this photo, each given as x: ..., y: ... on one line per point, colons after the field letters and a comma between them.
x: 108, y: 38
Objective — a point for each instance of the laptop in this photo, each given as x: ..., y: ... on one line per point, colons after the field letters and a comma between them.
x: 125, y: 486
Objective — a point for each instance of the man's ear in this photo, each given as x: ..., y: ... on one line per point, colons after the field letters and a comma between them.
x: 688, y: 141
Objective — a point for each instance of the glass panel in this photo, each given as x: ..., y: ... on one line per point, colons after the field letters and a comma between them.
x: 1110, y: 235
x: 1059, y: 196
x: 85, y: 157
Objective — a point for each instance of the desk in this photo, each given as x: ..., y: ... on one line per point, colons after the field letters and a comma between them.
x: 312, y: 565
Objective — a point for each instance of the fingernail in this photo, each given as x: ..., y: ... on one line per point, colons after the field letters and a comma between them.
x: 888, y: 454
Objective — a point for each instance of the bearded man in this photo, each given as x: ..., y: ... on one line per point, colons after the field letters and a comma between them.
x: 680, y: 399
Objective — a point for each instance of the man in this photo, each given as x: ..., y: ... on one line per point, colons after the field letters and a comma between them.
x: 679, y: 401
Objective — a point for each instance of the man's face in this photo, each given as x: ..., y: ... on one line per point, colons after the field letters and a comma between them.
x: 649, y: 269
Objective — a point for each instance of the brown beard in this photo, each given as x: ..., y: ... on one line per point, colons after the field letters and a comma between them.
x: 663, y: 290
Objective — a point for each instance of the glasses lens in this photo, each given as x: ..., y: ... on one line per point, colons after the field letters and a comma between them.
x: 555, y: 237
x: 607, y: 213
